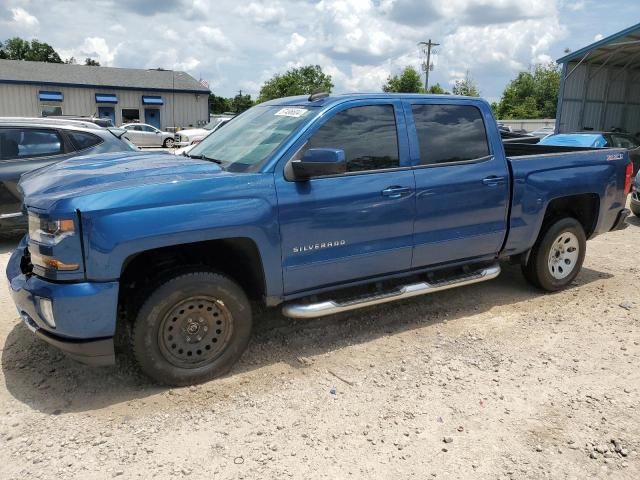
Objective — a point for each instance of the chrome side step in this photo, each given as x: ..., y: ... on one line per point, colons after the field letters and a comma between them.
x: 330, y: 307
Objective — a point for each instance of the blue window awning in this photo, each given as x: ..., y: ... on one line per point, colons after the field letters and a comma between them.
x: 106, y: 98
x: 50, y: 96
x: 152, y: 100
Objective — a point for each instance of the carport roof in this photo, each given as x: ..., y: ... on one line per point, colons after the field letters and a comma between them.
x: 620, y: 49
x: 42, y: 73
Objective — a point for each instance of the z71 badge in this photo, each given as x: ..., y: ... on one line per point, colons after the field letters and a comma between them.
x: 319, y: 246
x: 615, y: 156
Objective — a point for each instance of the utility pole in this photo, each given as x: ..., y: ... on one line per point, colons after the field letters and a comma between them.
x: 427, y: 66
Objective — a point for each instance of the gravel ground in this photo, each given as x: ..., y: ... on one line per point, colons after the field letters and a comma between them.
x: 491, y: 381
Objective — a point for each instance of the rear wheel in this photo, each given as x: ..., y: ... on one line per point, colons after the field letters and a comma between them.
x: 557, y: 256
x: 192, y: 328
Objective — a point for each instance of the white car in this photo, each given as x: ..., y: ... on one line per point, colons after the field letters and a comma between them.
x: 192, y: 136
x: 143, y: 135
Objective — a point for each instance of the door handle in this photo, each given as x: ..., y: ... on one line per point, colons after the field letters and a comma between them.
x: 493, y: 180
x: 395, y: 191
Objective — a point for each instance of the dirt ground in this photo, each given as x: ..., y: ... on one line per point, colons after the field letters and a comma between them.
x: 492, y: 381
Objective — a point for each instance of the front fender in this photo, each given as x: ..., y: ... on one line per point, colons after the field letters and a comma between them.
x: 112, y: 237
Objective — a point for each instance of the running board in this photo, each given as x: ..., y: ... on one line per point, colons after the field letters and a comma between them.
x: 330, y: 307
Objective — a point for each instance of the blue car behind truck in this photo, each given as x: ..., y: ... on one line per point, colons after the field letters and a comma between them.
x: 320, y: 204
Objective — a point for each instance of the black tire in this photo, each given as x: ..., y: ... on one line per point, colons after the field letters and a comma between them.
x: 635, y: 209
x: 168, y: 143
x: 541, y: 271
x: 192, y: 328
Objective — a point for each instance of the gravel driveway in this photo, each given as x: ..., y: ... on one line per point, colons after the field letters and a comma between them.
x: 495, y: 380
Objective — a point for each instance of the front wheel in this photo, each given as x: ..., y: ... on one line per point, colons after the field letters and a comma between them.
x: 169, y: 143
x: 192, y: 328
x: 557, y: 256
x: 635, y: 209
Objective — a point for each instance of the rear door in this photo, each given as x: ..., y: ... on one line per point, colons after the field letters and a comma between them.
x: 340, y: 228
x: 462, y: 185
x: 23, y: 149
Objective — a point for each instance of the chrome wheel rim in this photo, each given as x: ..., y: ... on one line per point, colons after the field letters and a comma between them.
x: 169, y: 143
x: 195, y: 331
x: 563, y: 255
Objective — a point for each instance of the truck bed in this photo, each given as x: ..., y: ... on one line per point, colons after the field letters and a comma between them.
x: 542, y: 173
x: 519, y: 149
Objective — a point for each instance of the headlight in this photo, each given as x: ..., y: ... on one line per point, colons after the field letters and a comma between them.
x: 49, y: 232
x: 50, y: 263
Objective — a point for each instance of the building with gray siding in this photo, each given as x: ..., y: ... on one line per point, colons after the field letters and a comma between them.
x: 162, y: 98
x: 600, y: 85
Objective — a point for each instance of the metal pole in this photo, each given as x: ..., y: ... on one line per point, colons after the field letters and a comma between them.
x: 427, y: 66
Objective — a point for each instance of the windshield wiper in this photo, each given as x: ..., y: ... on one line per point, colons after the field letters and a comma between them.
x: 204, y: 157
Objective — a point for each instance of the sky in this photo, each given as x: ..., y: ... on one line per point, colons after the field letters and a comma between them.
x: 237, y: 45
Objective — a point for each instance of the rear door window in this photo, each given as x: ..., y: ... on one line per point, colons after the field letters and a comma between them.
x: 29, y: 142
x: 449, y: 133
x: 82, y: 140
x: 367, y: 134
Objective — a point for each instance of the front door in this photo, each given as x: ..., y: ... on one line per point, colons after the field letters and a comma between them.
x: 341, y: 228
x: 107, y: 112
x: 152, y: 117
x: 462, y: 187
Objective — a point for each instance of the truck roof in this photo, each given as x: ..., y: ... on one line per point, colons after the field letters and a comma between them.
x: 304, y: 100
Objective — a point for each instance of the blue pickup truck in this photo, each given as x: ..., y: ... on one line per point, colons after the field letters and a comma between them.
x: 319, y: 204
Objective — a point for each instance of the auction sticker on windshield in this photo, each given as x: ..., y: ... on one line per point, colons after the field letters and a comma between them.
x: 291, y: 112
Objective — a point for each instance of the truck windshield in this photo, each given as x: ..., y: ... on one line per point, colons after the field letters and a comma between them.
x: 244, y: 144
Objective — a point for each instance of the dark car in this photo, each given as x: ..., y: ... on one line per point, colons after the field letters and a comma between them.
x: 598, y: 139
x: 635, y: 197
x: 27, y: 144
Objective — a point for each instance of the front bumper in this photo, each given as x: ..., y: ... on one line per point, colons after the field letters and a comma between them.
x: 84, y: 313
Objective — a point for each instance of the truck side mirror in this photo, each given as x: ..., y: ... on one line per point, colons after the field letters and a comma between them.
x: 317, y: 162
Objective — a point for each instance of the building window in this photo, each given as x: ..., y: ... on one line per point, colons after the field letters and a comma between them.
x: 130, y: 115
x: 48, y: 110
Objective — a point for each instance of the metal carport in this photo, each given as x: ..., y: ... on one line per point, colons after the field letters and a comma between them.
x: 600, y: 85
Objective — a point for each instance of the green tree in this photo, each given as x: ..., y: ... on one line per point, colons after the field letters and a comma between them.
x: 532, y: 94
x: 35, y: 51
x: 91, y: 62
x: 297, y: 81
x: 466, y: 86
x: 240, y: 103
x: 407, y: 82
x: 219, y: 104
x: 437, y: 89
x: 70, y: 61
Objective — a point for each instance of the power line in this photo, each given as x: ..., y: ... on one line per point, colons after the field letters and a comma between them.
x: 427, y: 66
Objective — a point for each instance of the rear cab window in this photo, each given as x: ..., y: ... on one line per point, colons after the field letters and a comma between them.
x: 19, y: 142
x: 448, y: 133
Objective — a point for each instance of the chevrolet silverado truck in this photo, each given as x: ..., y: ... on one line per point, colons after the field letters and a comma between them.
x: 319, y: 204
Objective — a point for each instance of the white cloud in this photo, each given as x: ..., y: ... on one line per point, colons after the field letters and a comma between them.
x: 597, y: 37
x: 23, y: 18
x: 295, y: 43
x: 262, y: 12
x: 213, y: 37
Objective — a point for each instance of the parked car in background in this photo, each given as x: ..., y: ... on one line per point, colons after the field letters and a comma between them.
x: 543, y: 132
x: 192, y: 136
x: 101, y: 122
x: 30, y: 143
x: 144, y: 135
x: 218, y: 126
x: 635, y: 197
x: 598, y: 140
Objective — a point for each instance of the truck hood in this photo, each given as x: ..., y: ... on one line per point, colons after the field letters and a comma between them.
x: 98, y: 173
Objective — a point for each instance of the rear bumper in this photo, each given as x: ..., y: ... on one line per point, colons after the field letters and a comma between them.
x: 84, y: 313
x: 620, y: 223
